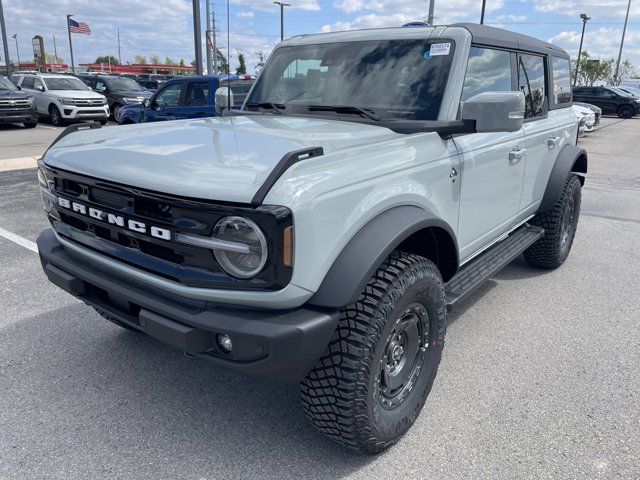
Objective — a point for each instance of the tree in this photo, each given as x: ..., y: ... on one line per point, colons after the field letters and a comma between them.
x: 168, y: 61
x: 592, y: 70
x: 260, y: 64
x: 223, y: 64
x: 627, y: 70
x: 154, y: 59
x: 242, y: 68
x: 106, y: 59
x: 141, y: 60
x: 51, y: 58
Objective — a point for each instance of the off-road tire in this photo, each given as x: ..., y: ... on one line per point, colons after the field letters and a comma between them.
x: 113, y: 320
x: 55, y: 116
x: 553, y: 248
x: 343, y: 394
x: 625, y: 111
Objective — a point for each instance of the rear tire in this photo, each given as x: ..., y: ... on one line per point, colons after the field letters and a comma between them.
x: 374, y: 377
x: 560, y: 224
x: 30, y: 124
x: 626, y: 111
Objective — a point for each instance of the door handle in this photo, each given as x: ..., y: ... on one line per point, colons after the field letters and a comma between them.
x: 516, y: 154
x: 553, y: 142
x: 201, y: 112
x: 453, y: 174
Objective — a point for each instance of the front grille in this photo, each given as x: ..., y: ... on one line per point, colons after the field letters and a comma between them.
x: 88, y: 102
x: 14, y: 103
x: 190, y: 265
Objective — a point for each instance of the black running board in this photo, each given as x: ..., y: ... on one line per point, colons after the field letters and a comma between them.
x: 490, y: 262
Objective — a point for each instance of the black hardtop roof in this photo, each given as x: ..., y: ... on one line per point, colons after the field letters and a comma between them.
x: 498, y: 37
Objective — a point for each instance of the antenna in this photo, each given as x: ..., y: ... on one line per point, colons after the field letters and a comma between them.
x: 228, y: 56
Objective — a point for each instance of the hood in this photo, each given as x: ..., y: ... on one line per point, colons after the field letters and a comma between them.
x: 76, y: 94
x: 582, y: 110
x: 220, y: 158
x: 12, y: 94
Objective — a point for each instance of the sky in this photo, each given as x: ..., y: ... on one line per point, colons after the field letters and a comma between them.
x: 165, y: 28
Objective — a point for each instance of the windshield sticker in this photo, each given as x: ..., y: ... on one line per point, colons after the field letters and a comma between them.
x: 439, y: 49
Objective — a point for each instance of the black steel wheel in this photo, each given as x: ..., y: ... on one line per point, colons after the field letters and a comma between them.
x: 372, y: 381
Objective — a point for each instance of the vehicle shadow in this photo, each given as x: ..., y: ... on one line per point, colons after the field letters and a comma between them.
x: 132, y: 402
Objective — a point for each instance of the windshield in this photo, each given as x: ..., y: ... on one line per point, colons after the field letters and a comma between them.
x: 396, y: 79
x: 123, y: 84
x: 5, y: 84
x: 64, y: 83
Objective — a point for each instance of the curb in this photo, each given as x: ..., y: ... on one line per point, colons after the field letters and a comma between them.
x: 20, y: 163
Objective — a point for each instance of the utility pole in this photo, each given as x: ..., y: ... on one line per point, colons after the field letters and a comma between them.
x: 15, y: 37
x: 585, y: 19
x: 207, y: 33
x: 431, y: 7
x: 624, y: 31
x: 119, y: 52
x: 197, y: 36
x: 484, y: 7
x: 5, y: 45
x: 55, y: 48
x: 282, y: 5
x: 73, y: 65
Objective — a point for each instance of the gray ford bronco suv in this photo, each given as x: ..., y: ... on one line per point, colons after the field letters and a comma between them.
x: 319, y: 235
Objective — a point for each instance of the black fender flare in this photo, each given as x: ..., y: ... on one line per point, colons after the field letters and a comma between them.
x: 369, y: 247
x: 571, y: 159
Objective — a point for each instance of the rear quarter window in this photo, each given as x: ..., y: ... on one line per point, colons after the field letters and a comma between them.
x: 561, y: 77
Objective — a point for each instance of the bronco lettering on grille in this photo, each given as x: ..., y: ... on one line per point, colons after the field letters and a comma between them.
x: 117, y: 220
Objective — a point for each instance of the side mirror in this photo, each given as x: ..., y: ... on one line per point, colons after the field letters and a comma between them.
x: 41, y: 88
x: 146, y: 103
x: 224, y: 99
x: 495, y: 111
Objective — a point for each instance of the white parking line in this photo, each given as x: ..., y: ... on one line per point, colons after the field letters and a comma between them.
x: 48, y: 128
x: 23, y: 242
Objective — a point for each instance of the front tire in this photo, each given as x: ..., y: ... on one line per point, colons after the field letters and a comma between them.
x: 560, y: 224
x: 30, y: 124
x: 374, y: 377
x: 55, y: 116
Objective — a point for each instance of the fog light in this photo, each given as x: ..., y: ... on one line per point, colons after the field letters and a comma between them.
x: 225, y: 343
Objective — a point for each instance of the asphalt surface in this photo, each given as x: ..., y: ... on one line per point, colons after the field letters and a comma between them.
x: 540, y: 376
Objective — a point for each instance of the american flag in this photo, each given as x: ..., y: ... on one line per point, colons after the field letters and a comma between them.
x: 79, y: 27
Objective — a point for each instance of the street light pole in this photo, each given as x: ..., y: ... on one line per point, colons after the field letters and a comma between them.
x: 431, y: 8
x: 282, y: 5
x: 585, y: 19
x: 624, y: 31
x: 5, y: 45
x: 484, y: 7
x: 15, y: 37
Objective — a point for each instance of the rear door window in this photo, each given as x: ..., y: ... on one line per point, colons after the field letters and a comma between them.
x: 197, y: 94
x: 531, y: 81
x: 488, y: 70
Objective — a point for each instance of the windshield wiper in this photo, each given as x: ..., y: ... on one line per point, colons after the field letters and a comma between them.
x: 276, y: 107
x: 366, y: 112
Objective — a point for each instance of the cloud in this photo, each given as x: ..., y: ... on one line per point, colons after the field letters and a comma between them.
x: 268, y: 6
x: 390, y: 13
x: 600, y: 43
x: 510, y: 18
x: 245, y: 14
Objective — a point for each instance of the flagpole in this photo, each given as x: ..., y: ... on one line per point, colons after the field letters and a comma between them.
x: 73, y: 65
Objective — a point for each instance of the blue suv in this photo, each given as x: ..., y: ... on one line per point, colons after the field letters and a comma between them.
x: 186, y: 97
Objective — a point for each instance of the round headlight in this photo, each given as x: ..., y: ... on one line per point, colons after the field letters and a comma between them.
x: 241, y: 231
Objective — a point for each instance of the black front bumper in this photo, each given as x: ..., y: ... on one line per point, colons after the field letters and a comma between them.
x: 278, y: 345
x: 18, y: 115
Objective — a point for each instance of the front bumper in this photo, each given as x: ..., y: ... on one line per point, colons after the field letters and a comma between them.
x: 71, y: 112
x: 18, y: 115
x: 278, y: 345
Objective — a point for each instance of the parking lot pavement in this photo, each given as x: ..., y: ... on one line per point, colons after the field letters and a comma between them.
x: 17, y: 142
x: 539, y: 377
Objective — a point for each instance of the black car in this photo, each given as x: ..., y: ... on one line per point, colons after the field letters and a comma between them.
x: 609, y: 99
x: 16, y: 106
x: 120, y: 91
